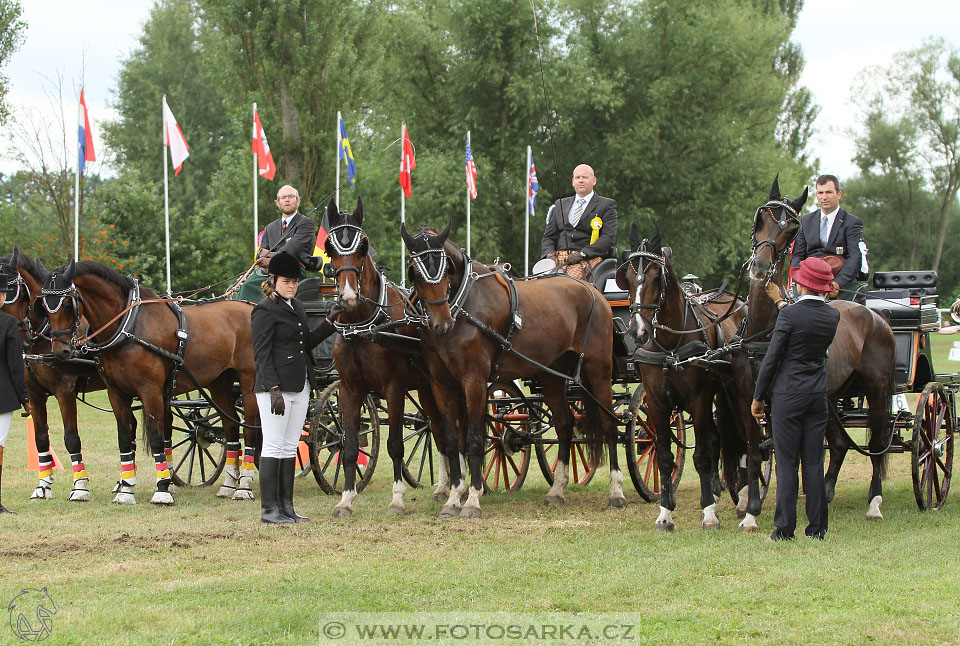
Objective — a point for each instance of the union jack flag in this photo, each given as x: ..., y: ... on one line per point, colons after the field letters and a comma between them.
x: 532, y: 185
x: 471, y: 170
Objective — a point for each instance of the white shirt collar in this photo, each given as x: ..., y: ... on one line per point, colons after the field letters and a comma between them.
x: 830, y: 215
x: 286, y: 221
x: 810, y: 297
x: 587, y: 198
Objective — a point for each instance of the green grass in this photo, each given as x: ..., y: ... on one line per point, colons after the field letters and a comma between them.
x: 206, y: 571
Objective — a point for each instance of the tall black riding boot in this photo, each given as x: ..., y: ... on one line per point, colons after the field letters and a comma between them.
x: 3, y: 510
x: 269, y: 502
x: 288, y: 469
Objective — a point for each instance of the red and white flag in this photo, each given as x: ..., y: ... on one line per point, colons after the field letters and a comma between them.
x: 262, y: 150
x: 173, y: 137
x: 85, y: 135
x: 407, y: 163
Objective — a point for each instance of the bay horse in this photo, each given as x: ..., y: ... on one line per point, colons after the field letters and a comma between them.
x: 368, y: 300
x: 481, y: 327
x: 671, y: 325
x: 138, y: 340
x: 44, y: 379
x: 860, y: 359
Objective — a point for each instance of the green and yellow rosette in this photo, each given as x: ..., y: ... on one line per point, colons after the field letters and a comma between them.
x: 596, y: 224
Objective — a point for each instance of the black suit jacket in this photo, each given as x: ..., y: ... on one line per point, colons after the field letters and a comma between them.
x: 796, y: 360
x: 13, y: 386
x: 558, y: 233
x: 844, y: 240
x: 282, y: 342
x: 299, y: 238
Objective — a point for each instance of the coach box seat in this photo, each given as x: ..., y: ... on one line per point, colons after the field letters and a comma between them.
x: 908, y: 299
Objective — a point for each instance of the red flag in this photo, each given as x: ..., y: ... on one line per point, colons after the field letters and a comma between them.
x: 173, y: 137
x: 407, y: 163
x: 86, y: 136
x: 262, y: 150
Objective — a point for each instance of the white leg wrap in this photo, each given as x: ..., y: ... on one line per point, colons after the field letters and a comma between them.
x: 396, y: 503
x: 873, y: 513
x: 124, y: 495
x: 749, y: 524
x: 80, y: 492
x: 231, y: 478
x: 162, y: 498
x: 244, y: 488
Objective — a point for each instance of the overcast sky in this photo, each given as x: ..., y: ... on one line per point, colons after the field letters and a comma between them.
x: 839, y: 38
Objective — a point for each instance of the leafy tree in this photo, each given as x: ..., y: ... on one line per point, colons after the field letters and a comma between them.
x: 11, y: 37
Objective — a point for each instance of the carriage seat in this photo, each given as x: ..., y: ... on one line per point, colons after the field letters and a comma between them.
x: 908, y: 299
x: 919, y: 283
x: 315, y: 289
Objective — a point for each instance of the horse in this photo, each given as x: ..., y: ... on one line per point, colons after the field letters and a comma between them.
x: 141, y: 345
x: 860, y: 359
x: 368, y: 300
x: 481, y: 327
x: 672, y: 326
x: 44, y: 379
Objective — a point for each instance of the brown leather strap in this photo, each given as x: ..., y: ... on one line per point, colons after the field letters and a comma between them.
x: 103, y: 327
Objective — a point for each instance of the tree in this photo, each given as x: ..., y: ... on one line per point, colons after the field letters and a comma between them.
x: 920, y: 95
x: 11, y: 37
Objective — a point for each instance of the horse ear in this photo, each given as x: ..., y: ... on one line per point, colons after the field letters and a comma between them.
x: 70, y: 271
x: 15, y: 260
x: 775, y: 188
x: 358, y: 211
x: 654, y: 244
x: 444, y: 234
x: 406, y: 237
x: 798, y: 203
x: 333, y: 211
x: 42, y: 271
x: 634, y: 236
x: 364, y: 246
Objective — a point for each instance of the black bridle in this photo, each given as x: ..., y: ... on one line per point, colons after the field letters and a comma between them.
x: 788, y: 215
x: 24, y: 325
x: 344, y: 240
x: 52, y: 305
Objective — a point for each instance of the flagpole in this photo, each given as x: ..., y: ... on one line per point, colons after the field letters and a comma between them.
x: 166, y: 199
x: 256, y: 174
x: 339, y: 146
x: 526, y: 220
x: 468, y: 206
x: 403, y: 214
x: 76, y: 205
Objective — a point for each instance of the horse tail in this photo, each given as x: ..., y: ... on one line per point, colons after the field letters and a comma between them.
x: 592, y: 427
x: 731, y: 444
x: 880, y: 415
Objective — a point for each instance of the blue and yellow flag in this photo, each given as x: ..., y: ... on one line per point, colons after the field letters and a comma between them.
x: 346, y: 154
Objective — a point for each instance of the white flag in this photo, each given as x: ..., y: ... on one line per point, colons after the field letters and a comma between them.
x: 174, y: 138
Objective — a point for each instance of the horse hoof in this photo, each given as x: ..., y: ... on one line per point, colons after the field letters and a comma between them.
x: 226, y: 492
x: 616, y: 503
x: 124, y: 499
x: 342, y: 512
x: 450, y: 511
x: 441, y: 496
x: 470, y: 512
x: 161, y: 498
x: 243, y: 494
x: 664, y: 527
x: 551, y: 501
x: 874, y: 516
x: 79, y: 495
x: 831, y: 488
x: 707, y: 527
x: 748, y: 529
x: 396, y: 510
x: 42, y: 493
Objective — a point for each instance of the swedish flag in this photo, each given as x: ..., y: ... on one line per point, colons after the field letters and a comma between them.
x: 346, y: 154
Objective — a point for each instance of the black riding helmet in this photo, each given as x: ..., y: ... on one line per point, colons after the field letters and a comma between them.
x: 284, y: 264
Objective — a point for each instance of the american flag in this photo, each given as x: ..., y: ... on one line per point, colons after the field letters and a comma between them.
x: 532, y: 185
x: 471, y: 170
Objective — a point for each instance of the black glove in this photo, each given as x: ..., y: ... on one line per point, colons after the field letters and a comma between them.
x: 334, y: 312
x: 574, y: 257
x: 276, y: 401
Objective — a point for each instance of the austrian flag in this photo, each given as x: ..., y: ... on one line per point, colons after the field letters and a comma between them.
x: 262, y: 150
x: 173, y: 137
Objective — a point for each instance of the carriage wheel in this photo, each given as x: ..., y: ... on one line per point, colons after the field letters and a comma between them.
x: 199, y: 446
x: 642, y: 448
x: 326, y: 426
x: 932, y: 454
x: 548, y: 453
x: 506, y: 458
x: 419, y: 458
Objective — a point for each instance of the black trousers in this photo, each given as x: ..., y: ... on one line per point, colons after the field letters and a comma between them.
x: 799, y: 425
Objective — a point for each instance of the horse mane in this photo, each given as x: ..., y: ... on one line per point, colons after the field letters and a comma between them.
x: 125, y: 283
x: 25, y: 262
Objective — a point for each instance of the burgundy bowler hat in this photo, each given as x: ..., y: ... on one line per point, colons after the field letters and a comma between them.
x: 815, y: 274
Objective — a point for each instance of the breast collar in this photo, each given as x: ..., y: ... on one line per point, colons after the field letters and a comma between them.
x: 125, y: 331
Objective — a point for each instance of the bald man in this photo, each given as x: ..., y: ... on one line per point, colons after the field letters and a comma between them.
x: 292, y: 232
x: 580, y: 229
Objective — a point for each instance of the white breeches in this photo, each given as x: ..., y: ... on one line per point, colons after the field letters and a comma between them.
x: 281, y: 433
x: 5, y: 420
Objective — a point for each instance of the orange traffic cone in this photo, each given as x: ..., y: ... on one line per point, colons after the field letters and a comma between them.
x: 33, y: 460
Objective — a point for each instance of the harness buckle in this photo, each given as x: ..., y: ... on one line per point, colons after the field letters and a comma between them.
x: 182, y: 335
x: 517, y: 320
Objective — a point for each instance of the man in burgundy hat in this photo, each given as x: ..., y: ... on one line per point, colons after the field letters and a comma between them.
x: 794, y: 370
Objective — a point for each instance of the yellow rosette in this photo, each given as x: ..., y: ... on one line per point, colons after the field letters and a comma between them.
x: 595, y: 224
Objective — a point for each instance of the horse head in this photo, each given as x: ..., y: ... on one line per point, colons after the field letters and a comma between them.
x: 647, y: 274
x: 775, y: 225
x: 347, y: 246
x: 431, y: 270
x: 16, y: 297
x: 61, y: 302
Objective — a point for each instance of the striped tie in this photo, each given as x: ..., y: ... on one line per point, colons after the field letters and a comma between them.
x: 283, y: 227
x: 577, y: 212
x: 824, y: 232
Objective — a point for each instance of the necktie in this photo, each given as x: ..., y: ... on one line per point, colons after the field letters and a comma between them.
x: 577, y: 212
x: 824, y: 232
x: 283, y: 227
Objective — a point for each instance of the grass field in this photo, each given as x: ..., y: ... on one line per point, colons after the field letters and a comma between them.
x: 206, y: 571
